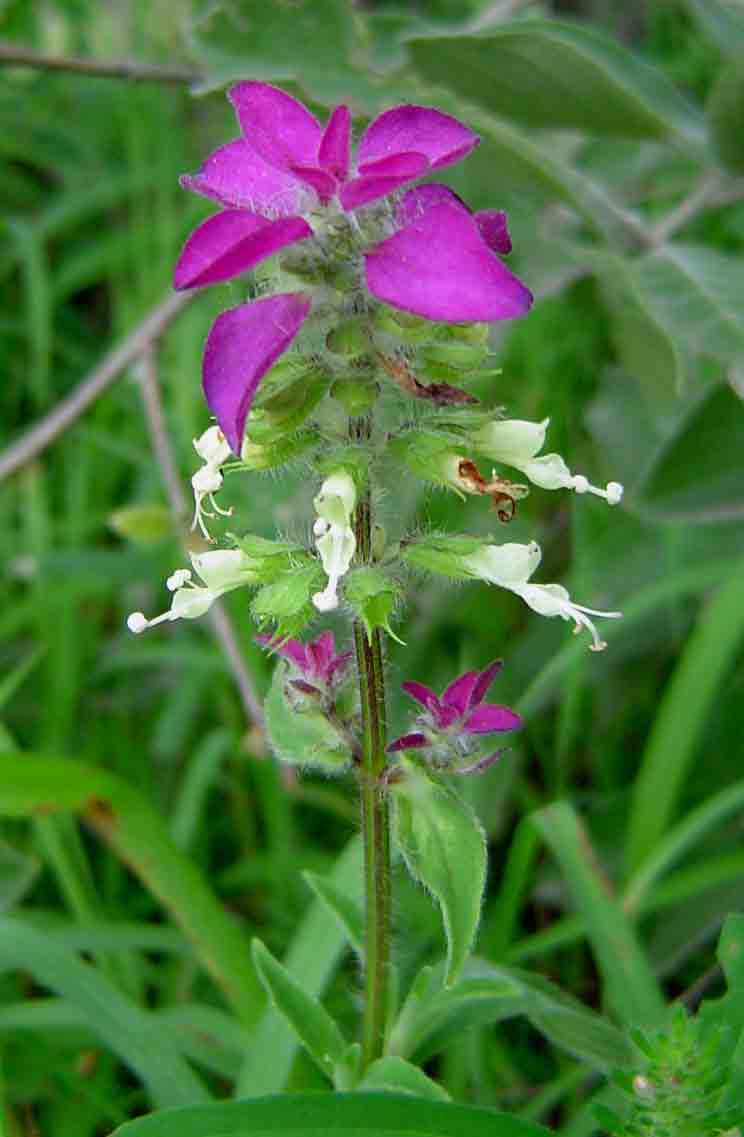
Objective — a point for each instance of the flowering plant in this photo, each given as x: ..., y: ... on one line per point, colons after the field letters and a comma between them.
x: 384, y: 296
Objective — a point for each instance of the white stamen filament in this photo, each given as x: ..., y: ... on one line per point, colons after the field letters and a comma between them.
x: 613, y: 493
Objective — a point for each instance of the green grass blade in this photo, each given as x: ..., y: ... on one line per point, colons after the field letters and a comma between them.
x: 679, y: 723
x: 33, y: 787
x: 132, y: 1034
x: 628, y: 979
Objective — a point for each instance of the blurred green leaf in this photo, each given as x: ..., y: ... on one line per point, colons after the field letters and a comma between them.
x: 693, y: 292
x: 143, y: 524
x: 725, y: 109
x: 345, y: 1115
x: 310, y: 1021
x: 722, y: 20
x: 311, y: 42
x: 132, y: 1034
x: 558, y: 74
x: 444, y: 849
x: 697, y: 474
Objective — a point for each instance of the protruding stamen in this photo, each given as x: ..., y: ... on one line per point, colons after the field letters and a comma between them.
x: 613, y: 494
x: 177, y: 580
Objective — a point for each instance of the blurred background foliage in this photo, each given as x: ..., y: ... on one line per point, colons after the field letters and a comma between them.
x: 612, y: 135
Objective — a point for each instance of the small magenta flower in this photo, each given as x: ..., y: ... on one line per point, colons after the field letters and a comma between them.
x: 447, y: 722
x: 288, y: 180
x: 317, y: 663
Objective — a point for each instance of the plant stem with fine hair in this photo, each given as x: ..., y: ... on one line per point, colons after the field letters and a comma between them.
x: 374, y: 803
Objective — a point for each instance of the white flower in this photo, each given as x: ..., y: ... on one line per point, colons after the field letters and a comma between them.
x: 517, y: 443
x: 220, y: 571
x: 214, y: 451
x: 510, y: 566
x: 334, y: 536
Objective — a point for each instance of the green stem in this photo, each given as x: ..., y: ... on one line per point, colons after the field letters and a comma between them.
x: 375, y: 809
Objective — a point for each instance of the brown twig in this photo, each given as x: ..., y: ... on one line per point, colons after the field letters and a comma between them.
x: 165, y: 458
x: 16, y: 55
x: 66, y: 412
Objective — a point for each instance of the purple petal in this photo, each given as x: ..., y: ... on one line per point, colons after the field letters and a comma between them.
x: 380, y: 178
x: 293, y: 650
x: 439, y: 136
x: 457, y: 695
x: 408, y: 742
x: 324, y: 184
x: 241, y: 347
x: 421, y: 694
x: 238, y: 176
x: 415, y: 203
x: 485, y: 679
x: 333, y: 152
x: 480, y: 766
x: 489, y: 717
x: 320, y: 653
x: 232, y: 242
x: 493, y: 229
x: 439, y: 267
x: 279, y: 127
x: 339, y: 663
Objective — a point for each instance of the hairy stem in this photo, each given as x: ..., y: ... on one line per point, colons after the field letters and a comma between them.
x: 375, y: 810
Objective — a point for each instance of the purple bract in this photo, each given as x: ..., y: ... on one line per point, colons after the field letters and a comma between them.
x: 437, y: 259
x: 316, y: 661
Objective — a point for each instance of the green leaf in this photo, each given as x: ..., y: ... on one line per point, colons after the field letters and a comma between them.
x: 395, y: 1075
x: 693, y: 293
x: 444, y: 849
x: 286, y: 601
x: 344, y: 1115
x: 302, y: 735
x: 547, y: 73
x: 130, y: 1033
x: 312, y: 958
x: 697, y: 473
x: 346, y: 910
x: 725, y: 109
x: 487, y: 994
x: 629, y: 982
x: 722, y: 20
x: 306, y: 41
x: 312, y: 1024
x: 681, y: 717
x: 120, y: 815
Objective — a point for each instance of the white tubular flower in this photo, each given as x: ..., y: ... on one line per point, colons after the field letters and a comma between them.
x: 220, y: 571
x: 212, y: 447
x: 334, y: 536
x: 511, y: 566
x: 517, y: 443
x: 214, y: 451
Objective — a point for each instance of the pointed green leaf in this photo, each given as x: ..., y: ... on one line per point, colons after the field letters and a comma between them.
x: 344, y: 907
x: 343, y: 1115
x: 310, y: 1021
x: 551, y: 73
x: 373, y: 596
x: 444, y: 848
x: 395, y: 1075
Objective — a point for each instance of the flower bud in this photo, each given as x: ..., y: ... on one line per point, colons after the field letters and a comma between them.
x: 347, y: 338
x: 212, y: 447
x: 355, y: 394
x: 451, y: 357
